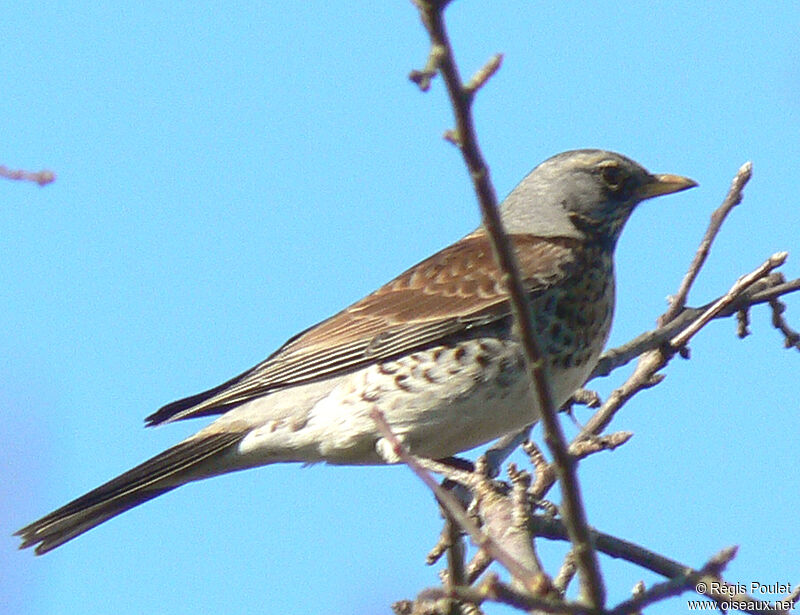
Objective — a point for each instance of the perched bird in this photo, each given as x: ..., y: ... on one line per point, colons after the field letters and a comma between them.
x: 435, y: 350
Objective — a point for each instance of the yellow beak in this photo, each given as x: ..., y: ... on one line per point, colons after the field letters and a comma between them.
x: 664, y: 184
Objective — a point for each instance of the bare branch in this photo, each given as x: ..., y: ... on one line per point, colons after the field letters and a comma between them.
x: 453, y: 508
x: 455, y: 554
x: 584, y: 448
x: 573, y: 511
x: 493, y: 589
x: 716, y: 588
x: 791, y: 339
x: 424, y: 77
x: 733, y: 198
x: 741, y: 285
x: 483, y: 75
x: 645, y: 376
x: 565, y: 574
x: 441, y: 546
x: 42, y: 177
x: 480, y: 562
x: 617, y: 357
x: 675, y: 586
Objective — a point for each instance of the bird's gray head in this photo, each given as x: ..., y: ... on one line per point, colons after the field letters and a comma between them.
x: 583, y: 193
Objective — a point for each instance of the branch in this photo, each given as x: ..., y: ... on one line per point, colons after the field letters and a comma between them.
x: 42, y: 177
x: 493, y: 589
x: 464, y: 136
x: 453, y: 508
x: 689, y: 581
x: 674, y: 587
x: 617, y: 357
x: 733, y: 198
x: 791, y: 339
x: 715, y: 587
x: 655, y: 351
x: 741, y: 285
x: 650, y: 362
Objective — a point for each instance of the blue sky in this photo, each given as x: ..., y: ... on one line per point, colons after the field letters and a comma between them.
x: 231, y: 174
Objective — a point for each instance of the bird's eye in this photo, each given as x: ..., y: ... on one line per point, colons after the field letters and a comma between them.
x: 613, y: 176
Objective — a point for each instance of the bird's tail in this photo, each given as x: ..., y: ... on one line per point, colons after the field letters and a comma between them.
x: 162, y: 473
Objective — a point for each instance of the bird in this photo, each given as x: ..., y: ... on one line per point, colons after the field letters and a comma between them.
x: 435, y: 350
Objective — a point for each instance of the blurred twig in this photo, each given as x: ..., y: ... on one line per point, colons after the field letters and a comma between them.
x: 42, y: 177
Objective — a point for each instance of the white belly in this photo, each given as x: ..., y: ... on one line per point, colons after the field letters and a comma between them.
x: 439, y: 402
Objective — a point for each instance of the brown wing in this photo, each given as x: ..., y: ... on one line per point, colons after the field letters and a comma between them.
x: 453, y: 290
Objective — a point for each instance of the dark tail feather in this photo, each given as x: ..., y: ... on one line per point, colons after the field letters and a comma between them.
x: 134, y: 487
x: 180, y: 409
x: 183, y: 408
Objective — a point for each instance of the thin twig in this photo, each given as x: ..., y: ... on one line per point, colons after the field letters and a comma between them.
x: 455, y: 553
x: 644, y: 376
x: 589, y: 446
x: 565, y: 574
x: 621, y: 355
x: 480, y: 562
x: 452, y: 506
x: 716, y: 588
x: 675, y: 586
x: 495, y: 590
x: 42, y: 177
x: 424, y: 77
x: 483, y: 75
x: 741, y: 285
x: 791, y: 339
x: 651, y: 361
x: 441, y: 546
x: 733, y: 198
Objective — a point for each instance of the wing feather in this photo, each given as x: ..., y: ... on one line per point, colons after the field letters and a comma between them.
x: 446, y: 294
